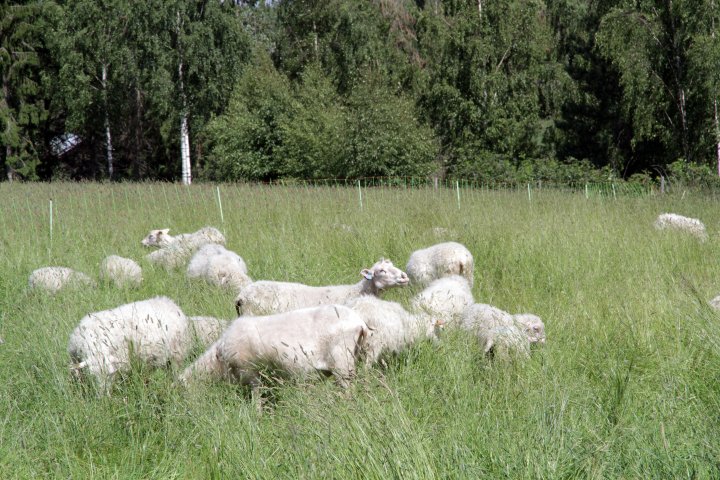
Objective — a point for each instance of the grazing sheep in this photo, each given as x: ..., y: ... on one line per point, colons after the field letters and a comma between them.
x: 445, y: 299
x: 504, y: 342
x: 441, y: 260
x: 674, y: 221
x: 393, y: 328
x: 324, y: 339
x: 265, y: 297
x: 442, y: 233
x: 492, y: 325
x: 156, y: 331
x: 160, y: 238
x: 175, y: 251
x: 54, y: 279
x: 218, y: 266
x: 715, y: 303
x: 122, y: 272
x: 176, y: 254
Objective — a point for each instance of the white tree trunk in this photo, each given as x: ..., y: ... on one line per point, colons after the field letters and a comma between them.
x: 184, y: 133
x: 108, y: 136
x: 185, y: 150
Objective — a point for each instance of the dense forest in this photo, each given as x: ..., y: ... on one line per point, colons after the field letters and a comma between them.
x: 263, y: 90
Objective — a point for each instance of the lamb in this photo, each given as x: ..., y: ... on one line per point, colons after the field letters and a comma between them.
x: 440, y: 260
x: 674, y: 221
x: 497, y: 327
x: 445, y: 299
x: 155, y: 330
x: 219, y: 266
x: 325, y: 339
x: 122, y: 272
x: 393, y: 328
x: 161, y: 238
x: 54, y: 279
x: 265, y: 297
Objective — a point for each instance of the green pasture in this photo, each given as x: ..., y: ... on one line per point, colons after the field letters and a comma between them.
x: 627, y: 386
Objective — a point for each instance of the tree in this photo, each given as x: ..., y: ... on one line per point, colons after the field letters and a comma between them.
x: 192, y: 52
x: 98, y: 70
x: 23, y: 105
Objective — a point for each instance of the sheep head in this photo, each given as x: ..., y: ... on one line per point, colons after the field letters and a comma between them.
x: 157, y: 238
x: 384, y: 275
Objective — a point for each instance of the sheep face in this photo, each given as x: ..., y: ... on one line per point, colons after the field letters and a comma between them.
x: 385, y: 275
x: 157, y: 238
x: 533, y: 326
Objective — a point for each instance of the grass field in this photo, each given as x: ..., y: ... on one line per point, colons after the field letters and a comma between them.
x: 627, y: 386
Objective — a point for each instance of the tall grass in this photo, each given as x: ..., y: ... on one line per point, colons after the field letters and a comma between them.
x: 626, y: 387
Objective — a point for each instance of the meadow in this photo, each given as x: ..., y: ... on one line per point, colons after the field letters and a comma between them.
x: 627, y: 385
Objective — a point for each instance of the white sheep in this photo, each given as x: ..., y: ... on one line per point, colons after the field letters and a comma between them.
x: 504, y: 342
x: 393, y: 328
x: 495, y: 326
x: 54, y: 279
x: 715, y: 303
x: 265, y: 297
x: 176, y: 254
x: 218, y: 266
x: 175, y: 251
x: 324, y: 339
x: 445, y: 299
x: 122, y: 272
x: 674, y: 221
x: 156, y: 331
x: 441, y: 260
x: 161, y: 238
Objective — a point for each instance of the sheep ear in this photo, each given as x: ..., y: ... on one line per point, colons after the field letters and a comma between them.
x: 367, y: 274
x: 164, y: 231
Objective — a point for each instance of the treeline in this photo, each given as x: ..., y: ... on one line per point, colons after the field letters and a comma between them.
x: 259, y: 90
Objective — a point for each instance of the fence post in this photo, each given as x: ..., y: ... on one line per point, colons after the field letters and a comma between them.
x: 222, y: 217
x: 360, y: 194
x: 51, y: 231
x: 457, y: 186
x: 529, y: 195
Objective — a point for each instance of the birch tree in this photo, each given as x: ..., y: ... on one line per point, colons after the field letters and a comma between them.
x: 196, y: 50
x: 96, y: 73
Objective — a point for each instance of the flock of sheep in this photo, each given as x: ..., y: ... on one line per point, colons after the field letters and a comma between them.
x: 294, y: 328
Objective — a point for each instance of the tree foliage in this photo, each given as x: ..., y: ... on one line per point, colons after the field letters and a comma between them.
x: 328, y: 88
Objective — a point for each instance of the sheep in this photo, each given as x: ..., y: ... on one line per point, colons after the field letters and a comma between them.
x: 715, y: 303
x: 218, y: 266
x: 265, y: 297
x: 175, y: 251
x: 324, y: 339
x: 122, y: 272
x: 176, y: 254
x: 494, y: 326
x: 674, y: 221
x: 54, y: 279
x: 393, y: 328
x: 445, y: 298
x: 504, y: 342
x: 155, y: 330
x: 440, y: 260
x: 160, y: 237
